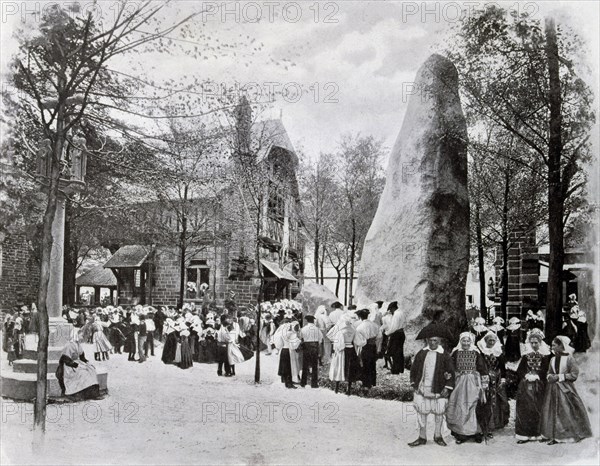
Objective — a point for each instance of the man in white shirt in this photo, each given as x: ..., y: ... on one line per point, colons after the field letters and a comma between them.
x: 311, y: 337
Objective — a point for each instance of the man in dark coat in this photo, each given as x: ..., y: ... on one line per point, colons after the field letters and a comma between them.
x: 432, y: 379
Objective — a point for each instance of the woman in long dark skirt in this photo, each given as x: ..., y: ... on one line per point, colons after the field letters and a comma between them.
x: 352, y: 369
x: 186, y: 351
x: 170, y: 347
x: 396, y: 338
x: 513, y: 340
x: 130, y: 342
x: 496, y: 406
x: 564, y: 417
x: 531, y: 375
x: 210, y: 344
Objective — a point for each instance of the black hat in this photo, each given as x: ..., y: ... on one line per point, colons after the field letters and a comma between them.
x: 393, y: 306
x: 310, y: 318
x: 337, y: 304
x: 434, y: 329
x: 379, y: 303
x: 363, y: 313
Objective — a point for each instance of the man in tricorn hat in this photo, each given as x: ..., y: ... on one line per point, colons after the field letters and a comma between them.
x: 432, y: 379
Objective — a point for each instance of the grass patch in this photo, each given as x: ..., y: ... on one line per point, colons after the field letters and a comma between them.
x: 389, y: 387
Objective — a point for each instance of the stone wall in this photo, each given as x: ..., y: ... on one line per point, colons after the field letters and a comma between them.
x: 20, y: 273
x: 166, y: 278
x: 523, y: 274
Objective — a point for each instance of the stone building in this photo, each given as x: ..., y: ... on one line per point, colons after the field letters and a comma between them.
x: 528, y: 276
x: 220, y: 264
x: 19, y: 272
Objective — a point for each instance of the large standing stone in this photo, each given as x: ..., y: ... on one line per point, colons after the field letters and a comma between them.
x: 417, y: 248
x: 314, y: 295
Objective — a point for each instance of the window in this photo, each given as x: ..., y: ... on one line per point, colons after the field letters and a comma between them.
x: 197, y: 279
x: 276, y: 206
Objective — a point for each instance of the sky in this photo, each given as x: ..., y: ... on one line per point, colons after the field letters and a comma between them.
x: 353, y: 60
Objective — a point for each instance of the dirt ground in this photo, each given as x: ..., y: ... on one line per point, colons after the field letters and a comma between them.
x: 156, y: 413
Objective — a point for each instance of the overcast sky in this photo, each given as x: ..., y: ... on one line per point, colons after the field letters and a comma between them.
x: 356, y: 55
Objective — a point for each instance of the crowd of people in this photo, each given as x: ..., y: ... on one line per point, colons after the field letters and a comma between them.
x: 187, y: 335
x: 466, y: 386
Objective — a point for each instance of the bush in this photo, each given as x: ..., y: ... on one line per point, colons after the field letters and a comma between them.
x: 389, y: 387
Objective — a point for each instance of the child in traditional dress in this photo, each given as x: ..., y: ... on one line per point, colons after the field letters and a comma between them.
x: 564, y: 417
x: 11, y: 355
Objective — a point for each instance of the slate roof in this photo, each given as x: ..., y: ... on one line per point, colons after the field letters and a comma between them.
x: 128, y: 256
x: 97, y: 276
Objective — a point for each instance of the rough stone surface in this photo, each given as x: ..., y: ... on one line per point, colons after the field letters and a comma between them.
x: 417, y: 248
x: 313, y: 295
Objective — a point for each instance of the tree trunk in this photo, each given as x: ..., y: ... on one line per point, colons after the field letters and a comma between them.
x: 504, y: 295
x: 481, y: 264
x: 316, y: 255
x: 346, y: 284
x: 555, y: 191
x: 70, y: 263
x: 260, y: 292
x: 352, y: 258
x: 338, y: 281
x: 322, y: 265
x: 182, y: 253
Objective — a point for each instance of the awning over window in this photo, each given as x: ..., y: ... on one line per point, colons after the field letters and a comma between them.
x: 131, y: 256
x: 275, y: 270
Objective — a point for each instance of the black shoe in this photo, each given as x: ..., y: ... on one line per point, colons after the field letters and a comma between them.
x: 552, y: 442
x: 303, y: 385
x: 521, y: 442
x: 440, y: 441
x: 459, y: 441
x: 420, y: 441
x: 220, y: 374
x: 314, y: 386
x: 292, y: 386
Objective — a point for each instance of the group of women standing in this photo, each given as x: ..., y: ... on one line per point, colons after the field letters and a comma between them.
x: 548, y: 406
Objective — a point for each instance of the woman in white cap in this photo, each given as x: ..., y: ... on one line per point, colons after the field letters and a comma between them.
x: 497, y: 410
x: 531, y: 375
x: 471, y: 380
x: 479, y: 329
x: 498, y: 328
x: 513, y: 339
x: 578, y: 322
x: 345, y: 365
x: 76, y: 376
x: 564, y: 417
